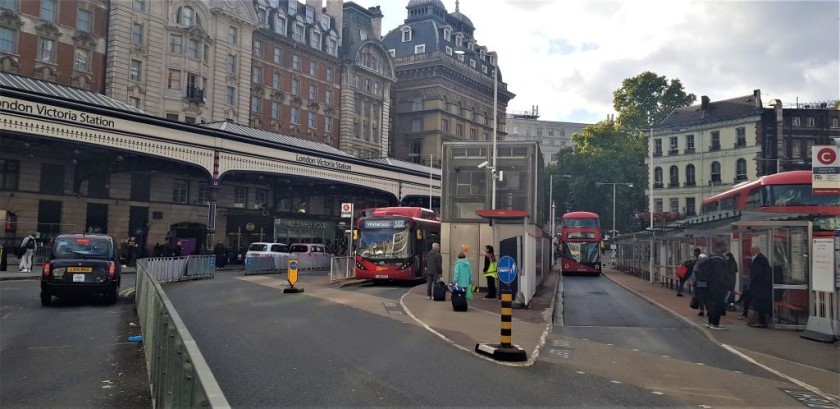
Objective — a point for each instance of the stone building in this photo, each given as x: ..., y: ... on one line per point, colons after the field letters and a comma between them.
x: 445, y: 83
x: 58, y: 41
x: 552, y: 135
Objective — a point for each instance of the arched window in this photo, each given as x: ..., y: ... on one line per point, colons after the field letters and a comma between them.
x: 689, y: 175
x: 657, y: 177
x: 187, y: 17
x: 674, y: 176
x: 741, y: 170
x: 715, y: 172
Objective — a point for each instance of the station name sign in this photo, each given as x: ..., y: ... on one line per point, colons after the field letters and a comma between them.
x: 326, y: 163
x: 47, y: 111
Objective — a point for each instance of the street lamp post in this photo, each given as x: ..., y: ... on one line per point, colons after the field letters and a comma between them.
x: 431, y: 166
x: 613, y: 231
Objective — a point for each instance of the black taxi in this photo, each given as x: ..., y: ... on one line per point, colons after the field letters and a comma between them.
x: 82, y: 265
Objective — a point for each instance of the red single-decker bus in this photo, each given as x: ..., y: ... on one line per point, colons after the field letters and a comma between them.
x: 393, y: 242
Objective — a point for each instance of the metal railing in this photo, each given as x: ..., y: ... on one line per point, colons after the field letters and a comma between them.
x: 260, y: 265
x: 179, y: 377
x: 342, y: 268
x: 168, y: 269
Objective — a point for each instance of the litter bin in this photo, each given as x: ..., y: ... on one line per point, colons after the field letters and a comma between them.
x: 3, y: 258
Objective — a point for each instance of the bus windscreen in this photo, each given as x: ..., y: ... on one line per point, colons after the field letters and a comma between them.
x: 384, y: 239
x: 582, y: 252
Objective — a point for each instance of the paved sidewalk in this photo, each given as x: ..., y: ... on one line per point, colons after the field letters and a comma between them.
x: 784, y: 351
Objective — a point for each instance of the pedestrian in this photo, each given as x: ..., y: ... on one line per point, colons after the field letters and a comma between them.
x: 731, y: 280
x: 463, y: 274
x: 28, y: 245
x: 434, y: 268
x: 490, y: 271
x: 689, y: 268
x: 700, y: 286
x: 220, y: 251
x: 714, y: 272
x: 746, y: 293
x: 761, y: 286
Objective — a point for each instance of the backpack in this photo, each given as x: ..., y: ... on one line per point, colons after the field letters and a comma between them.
x: 704, y: 270
x: 30, y: 244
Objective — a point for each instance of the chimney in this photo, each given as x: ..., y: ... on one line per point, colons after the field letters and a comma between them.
x: 704, y: 103
x: 376, y: 22
x: 335, y: 8
x: 757, y: 97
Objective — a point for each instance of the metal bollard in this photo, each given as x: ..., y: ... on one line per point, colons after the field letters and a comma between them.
x: 507, y: 318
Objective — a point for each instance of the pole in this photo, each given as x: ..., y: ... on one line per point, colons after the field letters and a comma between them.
x: 613, y: 229
x: 431, y: 161
x: 551, y: 206
x: 650, y: 208
x: 495, y: 128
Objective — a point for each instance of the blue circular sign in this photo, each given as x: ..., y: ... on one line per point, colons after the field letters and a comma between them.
x: 293, y: 264
x: 507, y: 269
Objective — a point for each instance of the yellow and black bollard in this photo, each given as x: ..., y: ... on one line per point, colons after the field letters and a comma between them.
x: 505, y: 350
x: 507, y: 318
x: 293, y: 277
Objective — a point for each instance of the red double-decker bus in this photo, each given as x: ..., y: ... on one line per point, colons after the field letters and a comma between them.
x: 580, y: 236
x: 786, y: 192
x: 392, y: 243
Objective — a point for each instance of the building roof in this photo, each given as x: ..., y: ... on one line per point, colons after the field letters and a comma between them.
x: 464, y: 19
x: 63, y: 92
x: 273, y: 137
x: 406, y: 165
x: 717, y: 111
x: 419, y: 3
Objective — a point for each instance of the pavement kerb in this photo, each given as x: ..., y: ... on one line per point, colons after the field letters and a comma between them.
x: 726, y: 347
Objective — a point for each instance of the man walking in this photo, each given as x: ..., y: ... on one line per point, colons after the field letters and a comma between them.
x: 715, y: 272
x: 434, y: 268
x: 761, y: 286
x: 29, y: 245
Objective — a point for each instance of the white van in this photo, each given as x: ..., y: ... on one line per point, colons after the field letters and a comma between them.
x: 311, y: 255
x: 260, y: 253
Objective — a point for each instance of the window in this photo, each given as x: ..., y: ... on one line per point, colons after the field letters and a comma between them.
x: 84, y: 20
x: 295, y: 87
x: 689, y: 143
x: 260, y: 198
x: 420, y: 49
x: 52, y: 178
x: 315, y: 40
x: 180, y: 191
x: 459, y: 40
x: 278, y: 55
x: 715, y: 141
x: 657, y: 147
x: 357, y: 81
x: 689, y: 175
x: 202, y: 193
x: 657, y: 205
x: 256, y: 105
x: 657, y: 177
x: 296, y: 62
x: 192, y: 48
x: 740, y: 137
x: 459, y: 130
x: 137, y: 34
x: 275, y: 110
x: 313, y: 68
x: 139, y: 5
x: 835, y: 122
x: 261, y: 15
x: 230, y: 96
x: 233, y: 35
x: 795, y: 121
x: 673, y: 145
x: 472, y: 134
x: 690, y: 207
x: 49, y: 9
x: 313, y: 92
x: 327, y: 124
x: 674, y: 177
x: 328, y: 97
x: 331, y: 74
x: 186, y: 17
x: 741, y: 170
x: 206, y: 52
x: 294, y: 116
x: 376, y: 87
x: 293, y: 7
x: 176, y: 43
x: 81, y: 60
x: 406, y: 34
x: 7, y: 40
x: 310, y: 15
x: 279, y: 25
x: 240, y: 196
x: 231, y: 64
x: 392, y: 52
x: 417, y: 104
x: 675, y: 205
x: 46, y: 50
x: 297, y: 34
x: 135, y: 102
x: 447, y: 35
x: 484, y: 69
x: 173, y: 81
x: 472, y: 63
x: 461, y: 57
x: 258, y: 49
x: 256, y: 74
x: 276, y: 80
x: 9, y: 174
x: 809, y: 121
x: 416, y: 125
x: 715, y: 172
x: 367, y: 84
x: 332, y: 46
x: 135, y: 70
x: 311, y: 118
x: 171, y: 117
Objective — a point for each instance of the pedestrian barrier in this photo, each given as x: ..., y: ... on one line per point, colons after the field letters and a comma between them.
x: 170, y: 269
x: 200, y: 266
x: 179, y: 377
x: 342, y: 268
x: 260, y: 265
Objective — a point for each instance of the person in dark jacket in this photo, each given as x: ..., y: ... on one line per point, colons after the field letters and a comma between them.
x: 434, y: 268
x: 490, y: 271
x: 731, y: 279
x: 761, y: 286
x: 715, y: 271
x: 221, y: 254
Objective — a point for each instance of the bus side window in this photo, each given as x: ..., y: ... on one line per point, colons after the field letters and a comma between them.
x: 753, y: 199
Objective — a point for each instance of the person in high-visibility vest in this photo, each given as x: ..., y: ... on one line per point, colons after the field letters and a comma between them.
x: 490, y: 271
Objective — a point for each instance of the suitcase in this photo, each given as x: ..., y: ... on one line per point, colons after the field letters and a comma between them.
x: 459, y: 301
x: 439, y: 291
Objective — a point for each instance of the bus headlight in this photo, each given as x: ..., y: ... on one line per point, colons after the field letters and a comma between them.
x: 360, y: 266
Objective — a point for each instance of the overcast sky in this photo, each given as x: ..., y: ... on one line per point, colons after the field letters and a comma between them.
x: 568, y: 56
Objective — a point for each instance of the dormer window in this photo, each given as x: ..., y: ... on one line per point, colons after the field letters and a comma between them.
x: 447, y: 34
x: 310, y: 15
x: 420, y: 49
x: 186, y: 17
x: 315, y: 40
x: 406, y: 34
x: 293, y: 7
x: 459, y: 40
x: 472, y: 63
x: 325, y: 22
x: 362, y: 35
x: 280, y: 25
x: 461, y: 57
x: 448, y: 50
x: 298, y: 34
x: 261, y: 15
x: 484, y: 69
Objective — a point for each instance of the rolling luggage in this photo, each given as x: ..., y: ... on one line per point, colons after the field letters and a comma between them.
x: 459, y: 298
x: 439, y: 291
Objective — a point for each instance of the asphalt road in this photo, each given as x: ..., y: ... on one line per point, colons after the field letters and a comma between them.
x: 71, y: 354
x: 268, y: 349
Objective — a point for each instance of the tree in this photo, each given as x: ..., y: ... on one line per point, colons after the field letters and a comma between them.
x: 645, y: 100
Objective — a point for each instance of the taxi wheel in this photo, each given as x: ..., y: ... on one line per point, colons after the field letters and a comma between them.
x: 111, y: 297
x: 46, y: 299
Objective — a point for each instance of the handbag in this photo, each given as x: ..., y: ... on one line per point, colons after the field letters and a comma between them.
x: 470, y: 294
x: 694, y: 304
x: 682, y: 270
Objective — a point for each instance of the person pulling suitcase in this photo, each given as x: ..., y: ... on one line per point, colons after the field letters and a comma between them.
x: 461, y: 283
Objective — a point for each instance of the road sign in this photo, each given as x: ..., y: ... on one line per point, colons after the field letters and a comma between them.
x: 347, y: 210
x: 507, y: 269
x: 825, y: 170
x: 293, y: 271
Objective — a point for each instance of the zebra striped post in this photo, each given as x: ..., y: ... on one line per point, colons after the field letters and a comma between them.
x: 507, y: 318
x: 505, y: 350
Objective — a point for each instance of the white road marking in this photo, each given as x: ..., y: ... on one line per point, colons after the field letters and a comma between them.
x: 56, y: 347
x: 657, y: 393
x: 580, y: 372
x: 615, y: 382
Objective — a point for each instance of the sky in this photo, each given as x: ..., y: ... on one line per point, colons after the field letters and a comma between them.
x: 568, y: 56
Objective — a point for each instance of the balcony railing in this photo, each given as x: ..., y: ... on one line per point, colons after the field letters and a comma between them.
x: 740, y: 144
x: 739, y: 178
x: 714, y: 147
x: 688, y: 150
x: 673, y: 184
x: 657, y: 153
x: 673, y: 152
x: 690, y: 184
x: 715, y: 182
x: 658, y: 185
x: 194, y: 94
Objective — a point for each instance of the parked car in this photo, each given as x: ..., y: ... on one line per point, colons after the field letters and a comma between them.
x: 278, y: 252
x: 311, y: 255
x: 82, y: 265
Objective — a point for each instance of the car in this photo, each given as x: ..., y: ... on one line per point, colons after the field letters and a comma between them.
x: 278, y: 252
x: 82, y: 265
x: 311, y: 255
